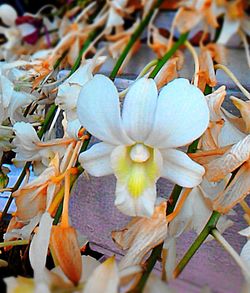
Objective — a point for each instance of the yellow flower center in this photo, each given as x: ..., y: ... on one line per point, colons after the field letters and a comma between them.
x: 137, y: 167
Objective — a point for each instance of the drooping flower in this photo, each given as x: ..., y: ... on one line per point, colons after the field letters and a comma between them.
x: 139, y: 146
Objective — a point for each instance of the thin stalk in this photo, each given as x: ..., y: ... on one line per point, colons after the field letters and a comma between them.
x: 234, y: 78
x: 134, y: 38
x: 217, y: 235
x: 211, y: 224
x: 14, y: 243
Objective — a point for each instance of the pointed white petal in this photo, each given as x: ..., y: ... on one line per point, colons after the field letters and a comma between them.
x: 98, y: 110
x: 73, y: 128
x: 96, y: 160
x: 139, y: 109
x: 39, y: 247
x: 180, y: 169
x: 7, y: 88
x: 229, y: 28
x: 105, y: 278
x: 182, y: 115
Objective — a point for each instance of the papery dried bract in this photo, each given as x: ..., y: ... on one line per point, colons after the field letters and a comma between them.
x: 141, y: 235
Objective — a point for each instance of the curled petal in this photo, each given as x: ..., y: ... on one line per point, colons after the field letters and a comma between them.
x: 96, y: 160
x: 139, y: 108
x: 236, y: 190
x: 180, y: 169
x: 181, y: 116
x: 98, y: 110
x: 232, y: 159
x: 141, y: 235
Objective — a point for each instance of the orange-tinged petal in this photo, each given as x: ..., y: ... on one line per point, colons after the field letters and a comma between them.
x: 232, y: 159
x: 65, y: 248
x: 141, y: 235
x: 236, y: 191
x: 244, y: 107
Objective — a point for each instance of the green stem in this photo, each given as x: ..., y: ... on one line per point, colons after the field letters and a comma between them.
x: 89, y: 40
x: 134, y: 38
x: 14, y: 243
x: 168, y: 55
x: 211, y: 224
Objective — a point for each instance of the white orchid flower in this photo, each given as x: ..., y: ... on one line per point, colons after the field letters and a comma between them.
x: 139, y: 146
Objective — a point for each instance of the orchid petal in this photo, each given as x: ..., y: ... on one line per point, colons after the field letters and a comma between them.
x: 180, y: 169
x: 8, y: 14
x: 236, y: 191
x: 181, y: 115
x: 7, y: 88
x: 232, y: 159
x: 105, y: 278
x: 170, y: 261
x: 96, y: 160
x: 229, y: 28
x: 155, y: 284
x: 245, y: 252
x: 142, y: 206
x: 99, y: 111
x: 141, y: 235
x: 139, y: 108
x: 38, y: 252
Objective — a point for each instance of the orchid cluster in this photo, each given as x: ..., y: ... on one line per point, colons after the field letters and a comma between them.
x: 55, y: 99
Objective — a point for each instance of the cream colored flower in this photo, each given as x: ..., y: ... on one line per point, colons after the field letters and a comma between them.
x: 140, y: 145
